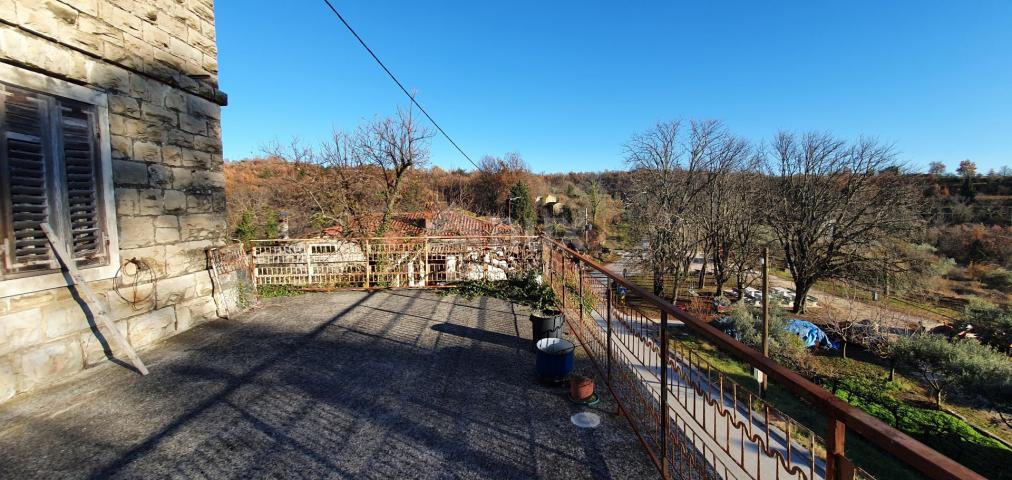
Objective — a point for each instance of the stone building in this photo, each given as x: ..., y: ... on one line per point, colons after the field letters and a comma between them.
x: 110, y: 131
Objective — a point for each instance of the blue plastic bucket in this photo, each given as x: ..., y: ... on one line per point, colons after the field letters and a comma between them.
x: 554, y: 361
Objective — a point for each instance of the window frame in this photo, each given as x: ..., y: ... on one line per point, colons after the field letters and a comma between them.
x: 105, y: 189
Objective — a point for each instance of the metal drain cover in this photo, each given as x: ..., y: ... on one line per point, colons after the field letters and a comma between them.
x: 585, y: 420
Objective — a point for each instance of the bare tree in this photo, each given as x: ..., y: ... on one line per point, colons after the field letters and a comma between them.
x: 393, y: 146
x: 729, y: 226
x: 833, y: 203
x: 671, y: 169
x: 844, y: 320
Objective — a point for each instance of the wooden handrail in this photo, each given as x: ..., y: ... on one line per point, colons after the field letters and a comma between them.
x: 908, y: 450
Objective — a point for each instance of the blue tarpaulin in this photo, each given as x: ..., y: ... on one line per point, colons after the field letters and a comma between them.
x: 811, y: 335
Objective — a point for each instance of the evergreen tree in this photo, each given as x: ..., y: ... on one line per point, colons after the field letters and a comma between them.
x: 246, y: 230
x: 522, y: 207
x: 272, y: 228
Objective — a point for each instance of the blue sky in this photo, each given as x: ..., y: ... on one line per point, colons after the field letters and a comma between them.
x: 565, y: 83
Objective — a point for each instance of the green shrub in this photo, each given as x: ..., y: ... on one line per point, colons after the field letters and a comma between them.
x: 939, y: 430
x: 998, y: 279
x: 522, y: 289
x: 964, y: 365
x: 271, y: 291
x: 992, y: 324
x: 785, y: 347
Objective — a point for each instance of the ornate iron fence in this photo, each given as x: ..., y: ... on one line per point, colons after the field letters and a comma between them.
x: 391, y: 262
x: 692, y: 419
x: 232, y: 278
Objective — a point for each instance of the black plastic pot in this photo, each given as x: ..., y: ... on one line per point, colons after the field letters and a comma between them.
x: 546, y: 324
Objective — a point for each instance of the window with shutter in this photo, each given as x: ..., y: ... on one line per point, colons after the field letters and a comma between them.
x: 50, y: 173
x: 82, y: 183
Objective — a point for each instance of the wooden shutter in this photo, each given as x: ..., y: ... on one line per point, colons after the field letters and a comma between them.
x: 25, y: 165
x: 81, y: 181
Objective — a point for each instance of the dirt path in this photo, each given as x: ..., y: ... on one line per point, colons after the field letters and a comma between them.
x: 860, y: 310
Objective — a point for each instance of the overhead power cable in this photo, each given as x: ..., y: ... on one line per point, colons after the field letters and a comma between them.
x: 399, y: 84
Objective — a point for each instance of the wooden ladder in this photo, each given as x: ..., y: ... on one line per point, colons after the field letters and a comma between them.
x: 67, y: 261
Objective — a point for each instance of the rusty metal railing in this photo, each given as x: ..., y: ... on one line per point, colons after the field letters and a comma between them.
x: 391, y: 262
x: 693, y: 420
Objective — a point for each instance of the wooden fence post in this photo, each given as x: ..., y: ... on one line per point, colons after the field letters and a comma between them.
x: 838, y: 467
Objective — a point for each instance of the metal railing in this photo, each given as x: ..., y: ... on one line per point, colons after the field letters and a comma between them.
x: 693, y: 420
x: 391, y: 262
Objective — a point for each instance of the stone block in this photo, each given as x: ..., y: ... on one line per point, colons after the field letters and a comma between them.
x: 176, y: 100
x: 166, y: 229
x: 132, y: 299
x: 152, y: 326
x: 202, y: 309
x: 38, y: 299
x: 155, y: 36
x: 159, y: 175
x: 8, y: 381
x: 182, y: 178
x: 114, y: 80
x: 147, y: 152
x: 129, y: 173
x: 122, y: 147
x: 203, y: 108
x: 7, y: 9
x: 126, y: 201
x: 42, y: 17
x: 207, y: 144
x: 136, y: 231
x: 186, y: 257
x: 122, y: 19
x: 206, y: 179
x: 218, y: 201
x: 64, y: 318
x: 124, y: 105
x: 200, y: 202
x: 94, y: 348
x: 48, y: 362
x: 172, y: 155
x: 176, y: 289
x: 149, y: 202
x: 21, y: 329
x: 89, y: 7
x: 193, y: 124
x: 202, y: 226
x: 196, y: 158
x: 184, y: 321
x: 174, y: 202
x: 154, y: 256
x: 202, y: 283
x: 180, y: 138
x: 159, y: 115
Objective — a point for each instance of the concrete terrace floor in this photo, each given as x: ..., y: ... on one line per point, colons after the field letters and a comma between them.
x: 398, y: 384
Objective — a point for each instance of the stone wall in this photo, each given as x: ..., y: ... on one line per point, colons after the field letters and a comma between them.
x: 157, y: 62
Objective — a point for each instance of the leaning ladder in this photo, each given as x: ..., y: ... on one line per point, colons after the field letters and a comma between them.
x: 96, y: 307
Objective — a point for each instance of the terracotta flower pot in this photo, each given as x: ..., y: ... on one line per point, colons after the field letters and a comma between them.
x: 580, y: 387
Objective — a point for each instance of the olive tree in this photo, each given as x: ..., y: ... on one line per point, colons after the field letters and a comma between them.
x: 948, y: 366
